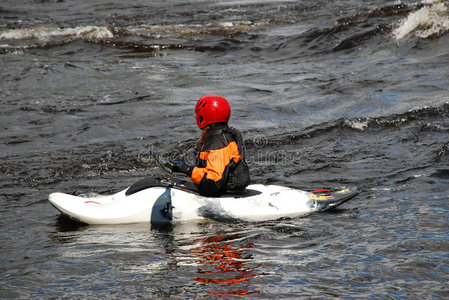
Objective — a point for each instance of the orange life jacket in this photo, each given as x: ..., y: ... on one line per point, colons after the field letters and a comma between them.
x: 221, y: 164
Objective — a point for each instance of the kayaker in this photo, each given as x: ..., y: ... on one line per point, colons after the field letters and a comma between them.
x: 220, y: 161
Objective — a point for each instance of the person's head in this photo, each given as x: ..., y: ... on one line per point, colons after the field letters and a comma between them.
x: 212, y: 109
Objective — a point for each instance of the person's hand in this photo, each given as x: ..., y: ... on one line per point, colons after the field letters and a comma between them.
x: 180, y: 166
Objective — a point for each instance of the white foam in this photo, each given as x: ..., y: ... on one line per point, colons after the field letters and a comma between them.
x: 425, y: 22
x: 357, y: 124
x: 42, y: 33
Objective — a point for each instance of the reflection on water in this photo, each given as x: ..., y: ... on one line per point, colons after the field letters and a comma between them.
x: 221, y: 261
x: 225, y: 261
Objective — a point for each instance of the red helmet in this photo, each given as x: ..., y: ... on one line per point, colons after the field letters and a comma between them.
x: 212, y: 109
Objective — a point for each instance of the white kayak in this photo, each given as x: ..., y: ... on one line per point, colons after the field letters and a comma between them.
x: 159, y: 201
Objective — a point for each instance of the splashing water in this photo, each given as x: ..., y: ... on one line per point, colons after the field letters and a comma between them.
x: 426, y: 22
x: 45, y: 33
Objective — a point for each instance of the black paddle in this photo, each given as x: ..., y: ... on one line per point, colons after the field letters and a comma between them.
x: 165, y: 165
x: 173, y: 180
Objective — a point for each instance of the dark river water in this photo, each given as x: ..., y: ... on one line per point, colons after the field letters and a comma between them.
x: 326, y: 94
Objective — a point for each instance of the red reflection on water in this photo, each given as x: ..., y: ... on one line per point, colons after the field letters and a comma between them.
x: 224, y: 262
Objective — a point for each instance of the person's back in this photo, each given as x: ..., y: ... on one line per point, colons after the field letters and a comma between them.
x: 221, y: 163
